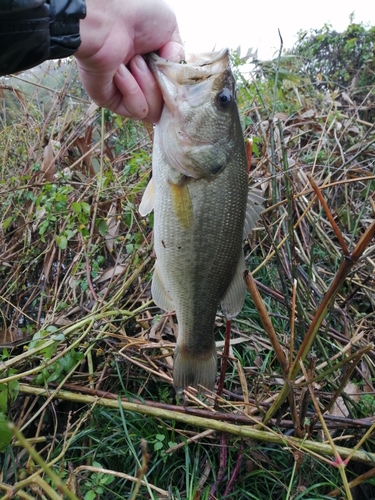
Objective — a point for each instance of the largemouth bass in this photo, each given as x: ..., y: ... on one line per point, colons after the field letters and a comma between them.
x: 202, y: 207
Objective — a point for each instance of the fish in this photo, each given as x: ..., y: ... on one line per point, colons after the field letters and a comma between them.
x: 203, y: 207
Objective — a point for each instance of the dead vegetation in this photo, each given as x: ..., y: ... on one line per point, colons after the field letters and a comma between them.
x: 86, y: 357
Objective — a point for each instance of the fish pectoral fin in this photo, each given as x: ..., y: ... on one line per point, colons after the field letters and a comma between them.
x: 159, y: 294
x: 182, y: 205
x: 234, y: 297
x: 148, y: 199
x: 194, y: 367
x: 253, y: 210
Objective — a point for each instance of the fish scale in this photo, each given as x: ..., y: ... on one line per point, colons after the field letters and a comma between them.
x: 199, y: 195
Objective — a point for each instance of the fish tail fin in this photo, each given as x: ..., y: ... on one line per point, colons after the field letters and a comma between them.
x: 194, y: 368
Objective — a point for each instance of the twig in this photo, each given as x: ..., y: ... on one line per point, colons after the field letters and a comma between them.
x: 292, y: 321
x: 320, y: 314
x: 263, y: 315
x: 222, y: 465
x: 224, y: 361
x: 143, y: 470
x: 329, y: 216
x: 122, y: 475
x: 39, y: 460
x: 339, y: 463
x: 244, y: 431
x: 235, y: 472
x: 358, y: 480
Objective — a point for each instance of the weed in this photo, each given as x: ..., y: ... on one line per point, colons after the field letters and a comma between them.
x: 86, y: 357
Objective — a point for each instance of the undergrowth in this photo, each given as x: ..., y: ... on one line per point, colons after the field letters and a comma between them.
x: 86, y: 356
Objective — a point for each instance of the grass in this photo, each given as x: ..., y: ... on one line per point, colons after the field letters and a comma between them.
x: 86, y: 357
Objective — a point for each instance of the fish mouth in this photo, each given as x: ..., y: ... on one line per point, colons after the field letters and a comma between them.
x: 220, y: 57
x: 197, y: 68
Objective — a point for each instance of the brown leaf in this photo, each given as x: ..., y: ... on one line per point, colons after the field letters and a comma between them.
x: 48, y: 165
x: 48, y: 261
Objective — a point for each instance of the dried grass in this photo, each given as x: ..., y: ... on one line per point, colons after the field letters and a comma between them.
x: 312, y: 257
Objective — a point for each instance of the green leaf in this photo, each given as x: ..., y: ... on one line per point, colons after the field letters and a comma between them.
x: 59, y: 337
x: 90, y: 495
x: 51, y: 329
x: 57, y: 371
x: 158, y: 446
x: 6, y: 223
x: 70, y: 233
x: 5, y: 433
x: 76, y: 207
x: 62, y: 241
x: 38, y: 340
x: 102, y: 228
x: 106, y: 479
x: 3, y: 398
x: 86, y: 208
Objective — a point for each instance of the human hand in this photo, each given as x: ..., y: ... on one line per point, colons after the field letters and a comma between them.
x: 114, y: 37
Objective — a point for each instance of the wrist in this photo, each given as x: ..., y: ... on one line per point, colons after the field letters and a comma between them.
x: 64, y: 26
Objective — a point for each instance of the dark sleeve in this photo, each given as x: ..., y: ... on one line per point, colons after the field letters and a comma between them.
x: 32, y: 31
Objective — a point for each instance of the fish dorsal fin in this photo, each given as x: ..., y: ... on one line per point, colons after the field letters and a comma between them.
x: 160, y: 295
x: 148, y: 199
x: 233, y: 299
x: 253, y: 210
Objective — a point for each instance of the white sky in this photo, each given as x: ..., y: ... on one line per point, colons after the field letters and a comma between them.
x: 209, y: 24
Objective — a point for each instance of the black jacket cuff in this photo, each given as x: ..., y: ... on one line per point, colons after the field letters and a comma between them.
x: 30, y: 36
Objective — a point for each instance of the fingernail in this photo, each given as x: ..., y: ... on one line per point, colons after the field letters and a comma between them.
x: 173, y: 51
x: 123, y: 71
x: 140, y: 63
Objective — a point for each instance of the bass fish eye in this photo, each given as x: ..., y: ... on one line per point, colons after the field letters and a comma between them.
x: 224, y: 98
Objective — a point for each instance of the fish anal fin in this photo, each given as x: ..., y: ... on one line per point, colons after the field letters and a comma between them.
x: 159, y: 293
x: 194, y: 368
x: 148, y: 199
x: 234, y: 297
x: 182, y: 205
x: 253, y: 210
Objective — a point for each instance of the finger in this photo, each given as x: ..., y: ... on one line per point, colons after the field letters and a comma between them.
x: 149, y: 87
x: 133, y: 101
x: 173, y: 49
x: 101, y: 88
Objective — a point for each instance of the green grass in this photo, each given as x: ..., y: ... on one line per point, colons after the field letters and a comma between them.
x: 76, y: 312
